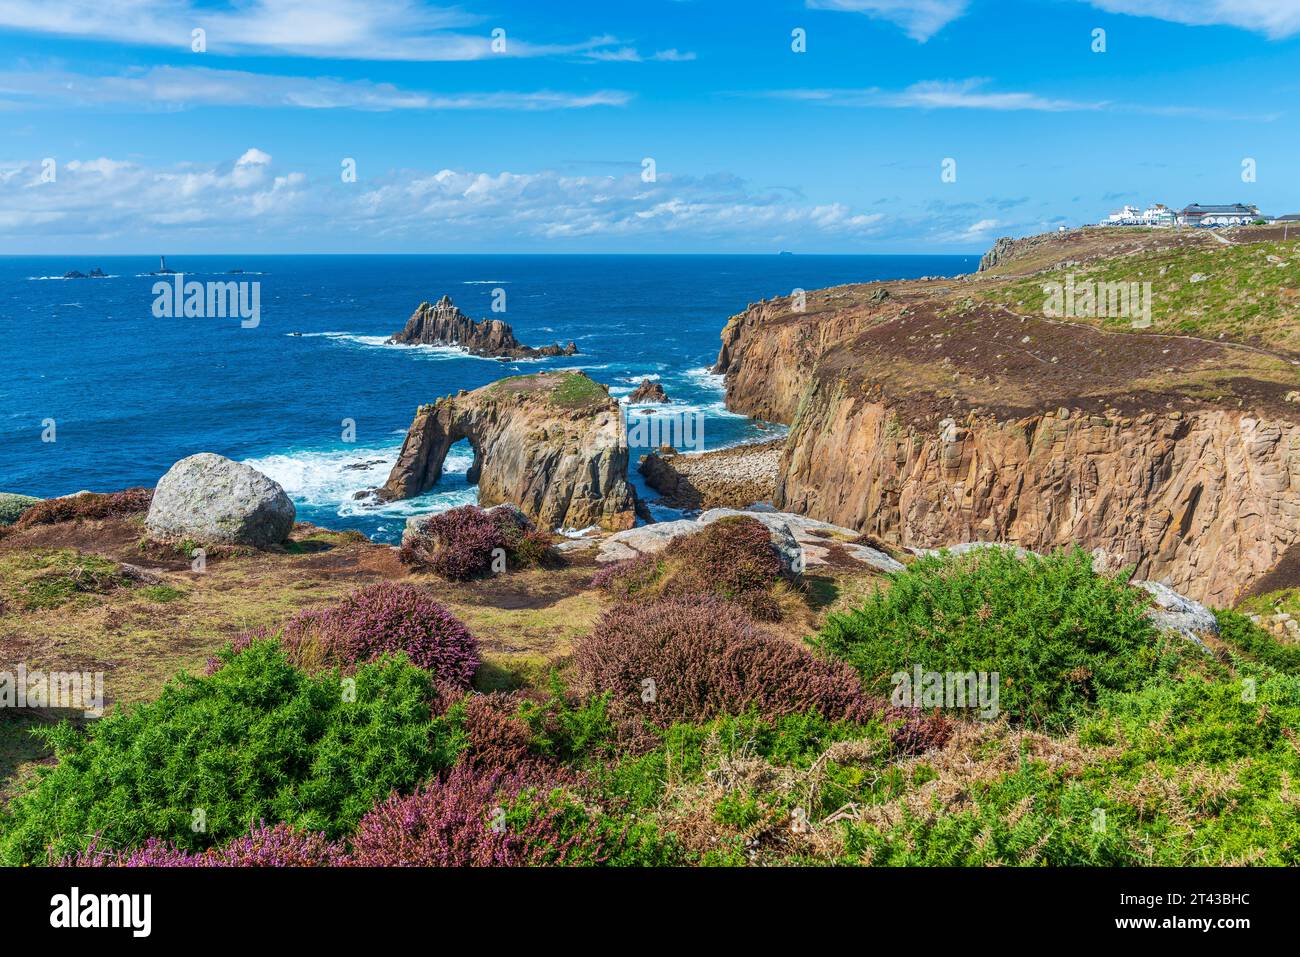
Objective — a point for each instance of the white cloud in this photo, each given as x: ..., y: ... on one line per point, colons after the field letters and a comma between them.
x: 920, y: 19
x: 352, y: 29
x: 971, y: 95
x: 974, y: 233
x: 111, y: 200
x: 1273, y: 18
x: 254, y: 157
x: 632, y: 55
x: 168, y: 87
x: 938, y: 94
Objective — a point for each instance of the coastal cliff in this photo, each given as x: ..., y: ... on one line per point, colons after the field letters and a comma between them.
x: 954, y: 410
x: 549, y: 443
x: 442, y: 324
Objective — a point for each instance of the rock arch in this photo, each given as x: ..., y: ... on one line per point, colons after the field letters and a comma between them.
x: 550, y: 443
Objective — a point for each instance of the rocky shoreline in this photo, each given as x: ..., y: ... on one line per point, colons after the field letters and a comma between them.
x: 725, y: 478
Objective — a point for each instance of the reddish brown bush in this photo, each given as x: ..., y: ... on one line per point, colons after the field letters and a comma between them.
x: 727, y: 558
x: 706, y: 658
x: 732, y: 559
x: 497, y: 738
x: 626, y: 578
x: 90, y: 505
x: 919, y: 733
x: 459, y: 821
x: 381, y: 618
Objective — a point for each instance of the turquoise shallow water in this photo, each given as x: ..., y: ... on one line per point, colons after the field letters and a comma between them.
x: 131, y: 393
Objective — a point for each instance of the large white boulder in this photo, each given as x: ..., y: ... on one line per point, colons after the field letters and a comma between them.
x: 211, y: 499
x: 1177, y: 613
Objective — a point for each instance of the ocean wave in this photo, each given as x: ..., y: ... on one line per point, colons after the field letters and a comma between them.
x: 706, y: 378
x: 575, y: 368
x: 68, y: 278
x: 330, y: 479
x: 381, y: 342
x: 485, y: 282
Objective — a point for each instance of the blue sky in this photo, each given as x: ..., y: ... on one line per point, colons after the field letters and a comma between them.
x: 540, y: 147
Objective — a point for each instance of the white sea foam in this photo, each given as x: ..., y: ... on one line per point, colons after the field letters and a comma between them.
x: 421, y: 351
x: 321, y: 479
x: 485, y: 282
x: 706, y: 378
x: 66, y: 278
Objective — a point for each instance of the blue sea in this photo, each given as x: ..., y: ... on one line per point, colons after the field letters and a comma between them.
x: 130, y: 393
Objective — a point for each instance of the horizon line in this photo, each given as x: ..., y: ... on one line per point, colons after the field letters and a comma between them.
x: 776, y: 255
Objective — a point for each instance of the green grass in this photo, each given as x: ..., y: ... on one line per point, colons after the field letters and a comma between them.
x: 1054, y: 632
x: 50, y: 578
x: 162, y: 594
x: 12, y: 507
x: 1246, y: 298
x: 576, y: 390
x: 259, y: 739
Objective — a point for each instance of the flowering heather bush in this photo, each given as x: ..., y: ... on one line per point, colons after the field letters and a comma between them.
x: 732, y: 559
x: 263, y: 846
x: 90, y: 505
x: 498, y: 738
x: 456, y: 544
x: 920, y: 733
x: 279, y: 846
x: 728, y: 558
x: 384, y: 617
x: 706, y: 659
x: 468, y: 818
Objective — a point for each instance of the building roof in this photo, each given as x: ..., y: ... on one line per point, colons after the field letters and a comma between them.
x: 1196, y: 209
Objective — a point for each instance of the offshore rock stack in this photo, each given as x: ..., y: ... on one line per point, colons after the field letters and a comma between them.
x: 442, y: 324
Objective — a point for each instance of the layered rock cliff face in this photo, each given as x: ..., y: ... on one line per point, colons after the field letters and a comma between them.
x: 552, y: 444
x: 442, y: 324
x: 930, y: 417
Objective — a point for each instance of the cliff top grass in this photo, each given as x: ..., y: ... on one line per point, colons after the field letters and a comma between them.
x: 1250, y: 292
x: 985, y: 342
x: 567, y: 390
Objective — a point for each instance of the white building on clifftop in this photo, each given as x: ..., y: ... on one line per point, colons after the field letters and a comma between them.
x: 1157, y: 214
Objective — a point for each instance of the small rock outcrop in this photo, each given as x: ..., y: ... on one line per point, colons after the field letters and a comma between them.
x: 550, y: 443
x: 442, y: 324
x: 647, y: 391
x: 799, y: 541
x: 212, y: 500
